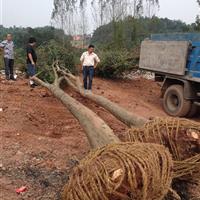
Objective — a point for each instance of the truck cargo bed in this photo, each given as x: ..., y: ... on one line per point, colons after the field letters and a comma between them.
x: 164, y: 56
x: 192, y: 37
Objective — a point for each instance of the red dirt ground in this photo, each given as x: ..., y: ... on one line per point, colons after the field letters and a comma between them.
x: 41, y: 141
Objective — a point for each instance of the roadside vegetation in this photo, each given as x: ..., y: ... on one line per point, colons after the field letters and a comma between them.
x: 117, y: 42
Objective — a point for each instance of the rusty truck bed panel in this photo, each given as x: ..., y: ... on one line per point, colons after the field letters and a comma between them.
x: 164, y: 56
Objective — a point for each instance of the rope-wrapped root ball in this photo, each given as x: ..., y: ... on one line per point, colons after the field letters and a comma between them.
x: 180, y: 136
x: 190, y: 167
x: 122, y: 171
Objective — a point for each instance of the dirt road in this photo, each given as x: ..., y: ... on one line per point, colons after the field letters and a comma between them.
x: 41, y: 141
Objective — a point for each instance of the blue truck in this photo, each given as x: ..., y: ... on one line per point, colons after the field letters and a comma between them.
x: 175, y: 60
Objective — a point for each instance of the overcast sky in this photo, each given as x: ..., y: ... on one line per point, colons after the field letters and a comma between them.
x: 34, y: 13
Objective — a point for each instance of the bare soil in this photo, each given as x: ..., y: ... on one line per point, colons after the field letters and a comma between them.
x: 40, y: 141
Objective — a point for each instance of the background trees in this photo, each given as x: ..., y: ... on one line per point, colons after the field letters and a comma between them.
x: 118, y: 28
x: 198, y: 18
x: 49, y: 45
x: 70, y: 15
x: 136, y: 29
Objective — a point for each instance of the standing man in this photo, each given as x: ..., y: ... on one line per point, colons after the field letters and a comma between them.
x: 8, y: 47
x: 89, y: 61
x: 31, y: 59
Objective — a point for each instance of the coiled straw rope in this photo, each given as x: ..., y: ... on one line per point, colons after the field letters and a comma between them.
x: 190, y: 166
x: 180, y: 136
x: 122, y: 171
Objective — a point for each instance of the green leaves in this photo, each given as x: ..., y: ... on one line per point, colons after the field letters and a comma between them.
x: 198, y: 19
x: 54, y: 51
x: 51, y: 52
x: 131, y: 31
x: 115, y: 63
x: 49, y: 46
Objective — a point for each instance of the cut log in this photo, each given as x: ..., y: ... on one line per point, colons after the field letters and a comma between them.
x: 98, y: 132
x: 130, y: 166
x: 119, y: 112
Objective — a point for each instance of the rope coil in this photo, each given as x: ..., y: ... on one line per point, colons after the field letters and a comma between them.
x: 180, y: 136
x: 122, y: 171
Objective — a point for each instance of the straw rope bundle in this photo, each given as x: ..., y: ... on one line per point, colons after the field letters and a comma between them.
x: 190, y: 166
x: 122, y: 171
x: 180, y: 136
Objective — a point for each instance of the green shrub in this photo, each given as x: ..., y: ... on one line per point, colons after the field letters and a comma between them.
x: 54, y: 51
x: 50, y: 52
x: 115, y: 63
x: 20, y: 59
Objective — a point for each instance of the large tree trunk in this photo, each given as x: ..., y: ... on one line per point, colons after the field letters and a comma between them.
x: 98, y: 132
x: 119, y: 112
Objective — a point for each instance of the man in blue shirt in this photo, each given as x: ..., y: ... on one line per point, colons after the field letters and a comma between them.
x: 8, y: 47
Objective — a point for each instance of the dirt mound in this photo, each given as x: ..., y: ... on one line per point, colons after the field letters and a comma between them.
x: 41, y: 140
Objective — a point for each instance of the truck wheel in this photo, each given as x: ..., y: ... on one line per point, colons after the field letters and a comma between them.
x: 174, y: 102
x: 193, y: 111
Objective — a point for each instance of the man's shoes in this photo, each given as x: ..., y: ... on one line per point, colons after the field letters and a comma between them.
x: 12, y: 78
x: 85, y: 91
x: 7, y: 78
x: 32, y: 85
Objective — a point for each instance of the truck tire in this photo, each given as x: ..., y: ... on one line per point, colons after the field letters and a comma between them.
x: 174, y: 102
x: 193, y: 111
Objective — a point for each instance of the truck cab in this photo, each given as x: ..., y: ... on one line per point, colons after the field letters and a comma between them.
x: 175, y: 60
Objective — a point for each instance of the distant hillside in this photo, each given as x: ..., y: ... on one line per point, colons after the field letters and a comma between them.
x: 130, y: 32
x: 42, y: 34
x: 49, y: 45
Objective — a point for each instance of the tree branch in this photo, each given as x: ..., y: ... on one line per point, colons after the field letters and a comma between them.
x: 40, y: 82
x: 71, y: 84
x: 55, y: 73
x: 60, y: 80
x: 66, y: 72
x: 119, y: 112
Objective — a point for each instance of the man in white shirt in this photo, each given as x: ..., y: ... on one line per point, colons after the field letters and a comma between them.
x: 89, y: 61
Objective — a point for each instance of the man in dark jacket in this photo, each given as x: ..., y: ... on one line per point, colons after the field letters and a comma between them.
x: 31, y: 59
